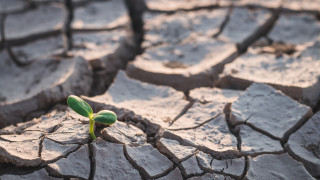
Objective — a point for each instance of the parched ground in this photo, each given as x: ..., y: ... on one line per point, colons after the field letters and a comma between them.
x: 222, y: 90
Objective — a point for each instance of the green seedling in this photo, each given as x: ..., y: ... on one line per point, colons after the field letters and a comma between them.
x: 84, y: 109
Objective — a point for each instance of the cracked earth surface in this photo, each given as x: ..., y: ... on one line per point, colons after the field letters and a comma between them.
x: 222, y: 90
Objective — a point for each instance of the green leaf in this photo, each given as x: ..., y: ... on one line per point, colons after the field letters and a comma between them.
x: 80, y: 106
x: 106, y: 117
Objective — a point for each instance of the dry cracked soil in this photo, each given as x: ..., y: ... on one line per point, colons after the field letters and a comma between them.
x: 216, y: 90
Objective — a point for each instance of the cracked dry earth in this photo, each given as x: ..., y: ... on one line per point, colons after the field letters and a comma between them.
x: 223, y: 90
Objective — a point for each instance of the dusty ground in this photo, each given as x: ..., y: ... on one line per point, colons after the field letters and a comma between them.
x: 222, y: 90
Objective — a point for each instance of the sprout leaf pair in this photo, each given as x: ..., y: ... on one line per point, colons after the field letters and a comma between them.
x: 83, y: 108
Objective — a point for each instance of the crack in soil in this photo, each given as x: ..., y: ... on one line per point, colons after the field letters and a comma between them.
x: 219, y: 172
x: 92, y: 162
x: 184, y: 110
x: 260, y: 31
x: 233, y: 127
x: 169, y: 12
x: 246, y: 167
x: 297, y: 126
x: 41, y: 145
x: 7, y: 168
x: 63, y: 156
x: 65, y: 143
x: 297, y: 158
x: 129, y: 137
x: 133, y: 164
x: 224, y: 23
x: 263, y: 131
x: 197, y: 126
x: 317, y: 107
